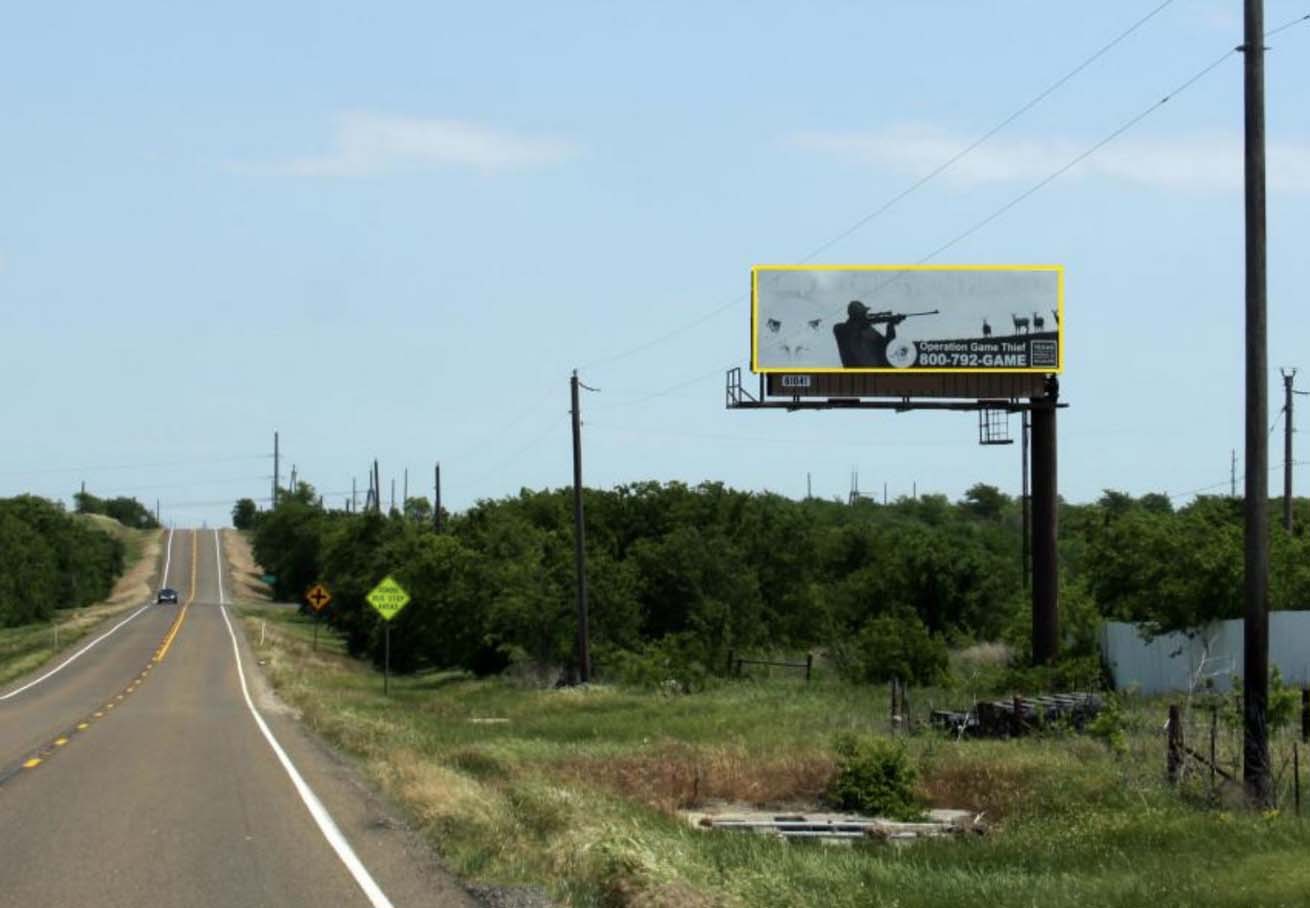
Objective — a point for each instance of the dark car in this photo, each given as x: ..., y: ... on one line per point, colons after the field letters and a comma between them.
x: 167, y: 594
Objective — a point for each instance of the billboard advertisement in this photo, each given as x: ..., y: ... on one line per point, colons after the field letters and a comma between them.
x: 907, y: 318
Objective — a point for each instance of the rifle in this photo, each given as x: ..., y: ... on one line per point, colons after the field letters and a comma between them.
x: 889, y: 317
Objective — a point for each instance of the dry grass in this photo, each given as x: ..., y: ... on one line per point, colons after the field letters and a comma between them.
x: 243, y: 573
x: 676, y: 776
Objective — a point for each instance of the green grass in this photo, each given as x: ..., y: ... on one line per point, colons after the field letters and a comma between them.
x: 27, y: 647
x: 577, y: 791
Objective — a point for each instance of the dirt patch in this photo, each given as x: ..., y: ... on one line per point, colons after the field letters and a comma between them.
x: 243, y: 571
x: 994, y: 788
x: 138, y: 584
x: 674, y: 778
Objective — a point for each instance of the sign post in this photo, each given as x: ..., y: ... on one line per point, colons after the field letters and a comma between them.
x: 318, y: 598
x: 387, y: 598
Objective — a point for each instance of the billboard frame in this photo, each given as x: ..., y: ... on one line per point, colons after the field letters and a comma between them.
x: 1043, y: 370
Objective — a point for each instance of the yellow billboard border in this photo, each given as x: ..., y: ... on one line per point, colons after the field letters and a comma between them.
x: 755, y: 304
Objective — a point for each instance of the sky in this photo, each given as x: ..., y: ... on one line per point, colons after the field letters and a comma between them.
x: 393, y: 229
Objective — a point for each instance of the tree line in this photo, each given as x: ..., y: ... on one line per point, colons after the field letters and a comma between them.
x: 127, y: 511
x: 679, y: 577
x: 52, y: 560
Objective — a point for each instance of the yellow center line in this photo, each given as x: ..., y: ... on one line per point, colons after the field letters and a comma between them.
x: 177, y: 624
x: 34, y: 762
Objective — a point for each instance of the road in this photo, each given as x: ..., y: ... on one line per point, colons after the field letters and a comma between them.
x: 142, y: 773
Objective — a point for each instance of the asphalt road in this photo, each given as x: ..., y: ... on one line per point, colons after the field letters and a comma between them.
x: 142, y: 773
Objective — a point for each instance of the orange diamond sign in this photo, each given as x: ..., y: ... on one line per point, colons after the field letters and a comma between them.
x: 318, y: 597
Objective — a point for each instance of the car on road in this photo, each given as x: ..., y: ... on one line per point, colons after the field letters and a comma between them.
x: 167, y: 594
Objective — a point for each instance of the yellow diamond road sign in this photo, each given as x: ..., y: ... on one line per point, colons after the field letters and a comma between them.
x: 388, y: 597
x: 318, y: 597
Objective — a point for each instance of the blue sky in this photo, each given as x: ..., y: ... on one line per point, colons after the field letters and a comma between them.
x: 391, y: 230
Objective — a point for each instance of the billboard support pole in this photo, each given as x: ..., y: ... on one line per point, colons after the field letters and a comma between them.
x: 1024, y: 502
x: 1045, y: 562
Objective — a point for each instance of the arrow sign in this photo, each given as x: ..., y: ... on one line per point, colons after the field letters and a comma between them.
x: 388, y: 598
x: 318, y: 597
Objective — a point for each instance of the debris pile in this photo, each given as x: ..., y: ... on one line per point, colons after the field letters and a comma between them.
x: 1020, y: 716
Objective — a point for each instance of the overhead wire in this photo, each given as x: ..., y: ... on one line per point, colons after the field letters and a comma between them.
x: 904, y: 193
x: 1075, y: 161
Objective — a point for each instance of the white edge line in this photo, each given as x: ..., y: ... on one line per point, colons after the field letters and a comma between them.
x: 326, y: 824
x: 70, y: 659
x: 63, y: 665
x: 168, y: 559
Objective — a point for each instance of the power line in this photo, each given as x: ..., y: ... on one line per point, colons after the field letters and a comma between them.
x: 134, y: 466
x: 1078, y: 159
x: 904, y: 193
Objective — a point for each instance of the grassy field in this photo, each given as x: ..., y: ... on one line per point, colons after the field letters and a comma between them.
x: 27, y: 647
x: 578, y: 790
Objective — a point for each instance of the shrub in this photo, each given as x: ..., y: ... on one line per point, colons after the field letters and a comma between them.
x: 892, y: 647
x: 874, y: 776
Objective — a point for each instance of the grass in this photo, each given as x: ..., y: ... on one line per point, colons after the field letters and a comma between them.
x: 577, y: 790
x: 27, y: 647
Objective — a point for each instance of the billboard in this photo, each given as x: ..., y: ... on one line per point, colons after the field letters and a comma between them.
x: 907, y: 318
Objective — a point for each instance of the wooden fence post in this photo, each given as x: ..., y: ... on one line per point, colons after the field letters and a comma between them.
x: 1174, y: 760
x: 809, y: 666
x: 1305, y: 714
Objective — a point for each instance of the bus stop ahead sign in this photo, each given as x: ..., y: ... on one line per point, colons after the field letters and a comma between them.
x: 388, y: 598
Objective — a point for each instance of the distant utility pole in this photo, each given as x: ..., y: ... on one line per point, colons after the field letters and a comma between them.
x: 1255, y: 676
x: 354, y: 496
x: 436, y: 498
x: 293, y: 479
x: 377, y: 487
x: 276, y: 474
x: 1232, y: 476
x: 156, y: 510
x: 1287, y: 447
x: 809, y: 489
x: 579, y: 534
x: 404, y: 496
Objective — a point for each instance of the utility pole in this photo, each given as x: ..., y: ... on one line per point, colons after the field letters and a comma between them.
x: 809, y: 489
x: 1232, y: 476
x: 156, y: 510
x: 276, y: 475
x: 377, y: 487
x: 393, y: 495
x: 1024, y: 501
x: 579, y: 536
x: 293, y: 479
x: 1287, y: 448
x: 436, y: 498
x: 1255, y: 680
x: 354, y: 496
x: 404, y: 496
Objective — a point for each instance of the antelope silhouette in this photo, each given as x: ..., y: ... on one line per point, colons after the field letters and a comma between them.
x: 1019, y: 322
x: 1038, y: 322
x: 1057, y: 316
x: 987, y: 329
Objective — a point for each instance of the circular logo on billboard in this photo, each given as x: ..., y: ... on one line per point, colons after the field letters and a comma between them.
x: 902, y: 353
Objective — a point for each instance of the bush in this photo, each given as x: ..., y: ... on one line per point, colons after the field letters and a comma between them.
x: 875, y: 777
x: 892, y: 647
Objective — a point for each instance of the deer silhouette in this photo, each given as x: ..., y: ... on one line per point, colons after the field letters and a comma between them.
x: 987, y: 329
x: 1057, y: 316
x: 1038, y: 322
x: 1019, y: 322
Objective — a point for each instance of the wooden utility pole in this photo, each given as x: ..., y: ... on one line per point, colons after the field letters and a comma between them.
x: 579, y: 538
x: 1287, y: 448
x: 404, y: 494
x: 276, y: 475
x: 292, y: 487
x: 436, y: 498
x: 393, y: 495
x: 354, y: 496
x: 1255, y: 676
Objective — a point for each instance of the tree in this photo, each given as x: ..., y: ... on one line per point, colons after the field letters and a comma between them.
x: 244, y: 514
